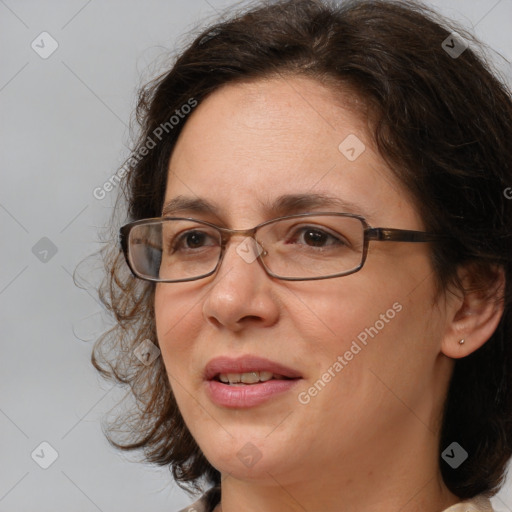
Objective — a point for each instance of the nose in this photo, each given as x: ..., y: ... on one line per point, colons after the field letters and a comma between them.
x: 241, y: 291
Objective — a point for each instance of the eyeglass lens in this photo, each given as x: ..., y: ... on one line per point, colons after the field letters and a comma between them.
x: 299, y: 247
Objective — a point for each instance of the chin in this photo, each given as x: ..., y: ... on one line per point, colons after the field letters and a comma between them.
x: 250, y: 457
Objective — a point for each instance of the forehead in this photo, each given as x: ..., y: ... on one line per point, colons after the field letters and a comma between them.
x: 249, y: 143
x: 292, y: 118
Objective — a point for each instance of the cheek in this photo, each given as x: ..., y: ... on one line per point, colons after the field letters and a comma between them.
x: 378, y: 360
x: 339, y: 310
x: 386, y: 324
x: 176, y: 326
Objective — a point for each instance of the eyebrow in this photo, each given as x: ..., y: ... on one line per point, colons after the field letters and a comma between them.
x: 287, y: 204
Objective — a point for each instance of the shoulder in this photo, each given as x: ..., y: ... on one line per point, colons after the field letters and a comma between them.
x: 206, y: 503
x: 477, y: 504
x: 197, y: 506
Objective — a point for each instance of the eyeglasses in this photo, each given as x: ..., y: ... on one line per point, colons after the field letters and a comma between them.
x: 298, y: 247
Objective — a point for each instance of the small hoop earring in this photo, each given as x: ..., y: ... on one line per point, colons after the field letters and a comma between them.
x: 461, y: 342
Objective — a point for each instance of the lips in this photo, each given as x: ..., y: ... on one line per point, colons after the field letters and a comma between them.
x: 247, y: 364
x: 274, y: 380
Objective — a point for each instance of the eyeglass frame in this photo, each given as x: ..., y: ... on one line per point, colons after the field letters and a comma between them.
x: 369, y: 234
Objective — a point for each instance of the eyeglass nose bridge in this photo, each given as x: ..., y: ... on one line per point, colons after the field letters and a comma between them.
x: 227, y: 234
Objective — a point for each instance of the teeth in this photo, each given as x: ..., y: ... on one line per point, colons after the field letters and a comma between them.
x: 247, y: 378
x: 250, y: 378
x: 264, y: 376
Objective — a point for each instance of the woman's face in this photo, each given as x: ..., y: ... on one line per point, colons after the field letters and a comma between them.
x: 365, y: 348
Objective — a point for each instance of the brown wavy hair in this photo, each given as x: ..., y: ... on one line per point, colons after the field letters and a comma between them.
x: 443, y: 124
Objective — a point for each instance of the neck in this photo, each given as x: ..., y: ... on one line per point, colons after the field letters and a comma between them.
x: 370, y: 482
x: 430, y: 496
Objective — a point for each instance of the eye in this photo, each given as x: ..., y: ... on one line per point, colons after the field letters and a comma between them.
x: 314, y: 236
x: 192, y: 239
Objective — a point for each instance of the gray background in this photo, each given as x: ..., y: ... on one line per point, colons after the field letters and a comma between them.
x: 64, y: 130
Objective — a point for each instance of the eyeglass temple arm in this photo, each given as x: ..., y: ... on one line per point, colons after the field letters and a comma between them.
x: 401, y: 235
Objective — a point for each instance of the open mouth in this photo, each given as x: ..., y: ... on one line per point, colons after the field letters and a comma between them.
x: 247, y: 381
x: 248, y: 378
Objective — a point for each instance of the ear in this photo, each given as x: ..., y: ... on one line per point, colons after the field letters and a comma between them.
x: 474, y: 312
